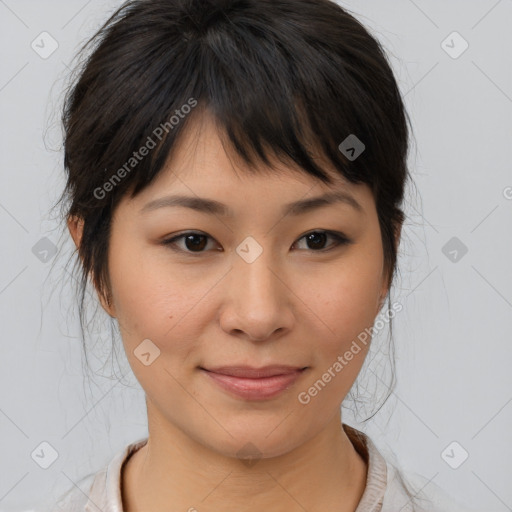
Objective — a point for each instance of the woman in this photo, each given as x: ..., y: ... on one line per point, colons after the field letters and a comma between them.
x: 236, y: 170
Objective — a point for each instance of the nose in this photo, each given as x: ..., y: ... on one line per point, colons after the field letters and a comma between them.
x: 258, y: 303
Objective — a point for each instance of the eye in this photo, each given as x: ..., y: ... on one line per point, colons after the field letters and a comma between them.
x: 196, y: 242
x: 318, y: 238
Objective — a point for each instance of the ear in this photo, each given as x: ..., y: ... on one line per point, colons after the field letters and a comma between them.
x: 386, y: 285
x: 398, y: 234
x: 76, y: 227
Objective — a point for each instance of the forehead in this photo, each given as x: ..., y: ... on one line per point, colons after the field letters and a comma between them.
x: 207, y: 173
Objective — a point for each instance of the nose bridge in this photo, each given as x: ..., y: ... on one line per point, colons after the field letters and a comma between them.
x: 257, y: 276
x: 257, y: 295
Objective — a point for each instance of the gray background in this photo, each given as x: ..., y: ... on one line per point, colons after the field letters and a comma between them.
x: 453, y: 337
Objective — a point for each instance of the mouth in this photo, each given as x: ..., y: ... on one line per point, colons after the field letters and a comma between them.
x: 249, y: 372
x: 254, y: 383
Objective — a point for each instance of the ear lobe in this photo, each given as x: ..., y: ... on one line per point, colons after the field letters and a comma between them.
x: 382, y: 298
x: 398, y: 234
x: 76, y: 228
x: 380, y: 301
x: 106, y: 303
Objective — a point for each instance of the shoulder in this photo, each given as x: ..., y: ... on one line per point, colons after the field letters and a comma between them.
x: 101, y: 490
x: 412, y: 492
x: 75, y: 499
x: 389, y: 489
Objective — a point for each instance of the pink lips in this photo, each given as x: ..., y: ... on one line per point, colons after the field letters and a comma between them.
x: 254, y: 383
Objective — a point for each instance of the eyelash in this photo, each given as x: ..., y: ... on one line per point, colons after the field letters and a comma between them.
x: 340, y: 238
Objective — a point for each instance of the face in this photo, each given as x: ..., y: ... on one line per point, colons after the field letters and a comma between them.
x: 248, y: 286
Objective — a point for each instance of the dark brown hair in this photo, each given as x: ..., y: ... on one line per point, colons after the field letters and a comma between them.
x: 279, y: 78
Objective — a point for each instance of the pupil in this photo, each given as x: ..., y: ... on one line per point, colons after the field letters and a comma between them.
x: 317, y: 239
x: 313, y: 237
x: 194, y: 245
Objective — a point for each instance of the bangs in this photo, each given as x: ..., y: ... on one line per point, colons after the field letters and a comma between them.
x: 273, y: 89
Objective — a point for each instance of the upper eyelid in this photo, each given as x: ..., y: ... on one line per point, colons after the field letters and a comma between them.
x: 339, y: 237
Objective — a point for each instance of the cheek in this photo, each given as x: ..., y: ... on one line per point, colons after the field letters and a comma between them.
x: 346, y: 297
x: 154, y: 301
x: 342, y: 338
x: 345, y: 303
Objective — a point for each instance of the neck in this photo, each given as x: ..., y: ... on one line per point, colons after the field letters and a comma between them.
x: 324, y: 473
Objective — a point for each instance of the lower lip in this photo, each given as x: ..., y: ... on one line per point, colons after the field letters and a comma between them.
x: 255, y: 389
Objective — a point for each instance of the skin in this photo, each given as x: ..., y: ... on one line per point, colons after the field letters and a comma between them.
x: 293, y: 305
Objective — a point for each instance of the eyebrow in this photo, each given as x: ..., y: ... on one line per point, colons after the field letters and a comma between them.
x: 213, y: 207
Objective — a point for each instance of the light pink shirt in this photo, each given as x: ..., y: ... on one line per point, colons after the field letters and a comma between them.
x: 384, y: 492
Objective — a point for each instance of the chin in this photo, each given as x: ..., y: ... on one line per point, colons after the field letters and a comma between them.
x: 264, y: 440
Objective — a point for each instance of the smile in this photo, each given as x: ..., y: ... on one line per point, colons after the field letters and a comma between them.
x: 255, y: 388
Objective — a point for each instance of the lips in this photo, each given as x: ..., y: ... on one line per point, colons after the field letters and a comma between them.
x: 249, y: 372
x: 250, y: 383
